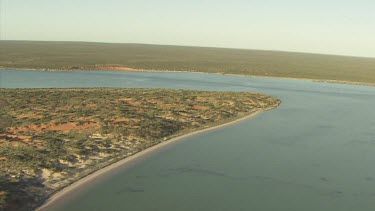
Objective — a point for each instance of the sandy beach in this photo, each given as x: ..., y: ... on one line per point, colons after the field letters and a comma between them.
x: 102, y: 172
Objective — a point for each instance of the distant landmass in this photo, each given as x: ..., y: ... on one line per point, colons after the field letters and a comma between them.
x: 140, y: 57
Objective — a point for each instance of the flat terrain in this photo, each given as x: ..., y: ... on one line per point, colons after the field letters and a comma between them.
x: 50, y: 138
x: 81, y: 55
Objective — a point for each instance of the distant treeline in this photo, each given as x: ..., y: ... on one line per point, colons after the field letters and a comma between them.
x: 84, y: 55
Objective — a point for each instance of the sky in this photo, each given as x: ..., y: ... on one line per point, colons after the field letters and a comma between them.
x: 343, y: 27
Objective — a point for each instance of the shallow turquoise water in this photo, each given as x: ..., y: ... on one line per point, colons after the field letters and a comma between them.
x: 315, y: 152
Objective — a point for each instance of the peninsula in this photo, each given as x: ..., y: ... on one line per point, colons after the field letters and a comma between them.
x: 51, y: 138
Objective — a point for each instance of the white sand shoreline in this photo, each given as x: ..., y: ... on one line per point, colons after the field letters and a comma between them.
x: 91, y: 177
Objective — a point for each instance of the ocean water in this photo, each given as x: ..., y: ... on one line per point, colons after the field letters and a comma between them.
x: 315, y: 152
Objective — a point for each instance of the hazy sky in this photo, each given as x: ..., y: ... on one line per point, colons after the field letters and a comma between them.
x: 344, y: 27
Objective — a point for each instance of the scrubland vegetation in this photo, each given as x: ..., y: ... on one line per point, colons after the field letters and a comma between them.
x: 104, y: 56
x: 50, y: 138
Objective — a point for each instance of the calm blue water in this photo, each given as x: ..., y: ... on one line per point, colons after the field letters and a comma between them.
x: 315, y: 152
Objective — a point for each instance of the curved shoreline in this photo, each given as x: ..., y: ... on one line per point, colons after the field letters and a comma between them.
x: 102, y: 172
x: 356, y: 83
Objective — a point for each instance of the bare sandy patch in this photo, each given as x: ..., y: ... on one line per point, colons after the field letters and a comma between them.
x: 200, y: 107
x: 66, y: 127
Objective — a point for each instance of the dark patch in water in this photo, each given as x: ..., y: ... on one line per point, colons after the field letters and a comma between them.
x: 369, y: 179
x: 129, y: 190
x: 325, y: 127
x: 324, y: 179
x: 338, y: 192
x: 200, y: 171
x: 184, y: 170
x: 140, y: 177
